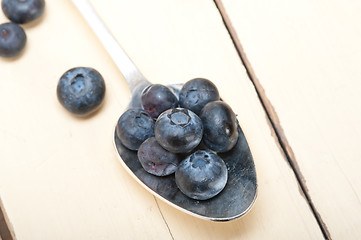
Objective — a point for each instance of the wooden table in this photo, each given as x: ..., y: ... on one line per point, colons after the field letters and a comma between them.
x: 291, y: 70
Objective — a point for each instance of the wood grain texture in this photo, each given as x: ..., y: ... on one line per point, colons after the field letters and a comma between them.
x: 307, y: 55
x: 59, y: 175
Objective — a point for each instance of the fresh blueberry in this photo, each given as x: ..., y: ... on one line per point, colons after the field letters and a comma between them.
x: 12, y: 39
x: 157, y: 98
x: 196, y: 93
x: 156, y: 160
x: 178, y: 130
x: 23, y: 11
x: 220, y: 126
x: 81, y: 90
x: 201, y: 175
x: 134, y: 127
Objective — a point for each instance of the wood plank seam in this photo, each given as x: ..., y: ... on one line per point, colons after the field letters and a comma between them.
x: 165, y: 221
x: 6, y: 231
x: 273, y: 119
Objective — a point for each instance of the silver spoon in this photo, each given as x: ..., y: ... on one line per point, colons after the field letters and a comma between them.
x: 240, y: 192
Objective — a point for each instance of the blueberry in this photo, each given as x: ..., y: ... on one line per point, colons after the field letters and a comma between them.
x: 23, y: 11
x: 81, y: 90
x: 196, y: 93
x: 12, y: 39
x: 157, y: 98
x: 201, y: 175
x: 178, y: 130
x: 220, y: 126
x: 134, y: 127
x: 156, y: 160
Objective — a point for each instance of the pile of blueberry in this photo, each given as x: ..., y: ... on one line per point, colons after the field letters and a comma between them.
x: 182, y: 135
x: 12, y: 35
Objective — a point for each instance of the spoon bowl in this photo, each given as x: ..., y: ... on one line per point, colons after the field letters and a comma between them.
x: 239, y: 194
x: 232, y: 202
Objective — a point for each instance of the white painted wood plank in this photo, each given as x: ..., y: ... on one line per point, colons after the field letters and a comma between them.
x: 59, y: 175
x: 307, y: 55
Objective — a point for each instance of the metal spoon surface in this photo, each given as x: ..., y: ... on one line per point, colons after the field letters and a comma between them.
x: 240, y: 192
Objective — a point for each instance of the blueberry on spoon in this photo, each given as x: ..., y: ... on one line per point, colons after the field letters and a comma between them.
x: 220, y: 126
x: 201, y: 175
x: 196, y: 93
x: 157, y: 98
x: 178, y: 130
x: 156, y: 160
x: 134, y: 127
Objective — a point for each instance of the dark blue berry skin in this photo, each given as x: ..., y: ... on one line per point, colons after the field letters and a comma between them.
x: 157, y: 98
x: 156, y: 160
x: 12, y: 39
x: 178, y: 130
x: 81, y: 90
x: 220, y: 126
x: 196, y: 93
x: 23, y: 11
x: 134, y: 127
x: 201, y: 175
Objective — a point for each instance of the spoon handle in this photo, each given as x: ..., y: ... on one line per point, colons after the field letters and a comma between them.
x: 130, y: 72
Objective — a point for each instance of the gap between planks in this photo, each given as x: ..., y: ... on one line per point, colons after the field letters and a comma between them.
x: 161, y: 213
x: 272, y: 118
x: 6, y: 232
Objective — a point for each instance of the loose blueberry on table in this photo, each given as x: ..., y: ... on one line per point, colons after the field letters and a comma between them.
x: 178, y: 130
x: 202, y: 175
x: 81, y: 90
x: 157, y: 98
x: 156, y: 160
x: 12, y: 40
x: 134, y: 127
x: 23, y: 11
